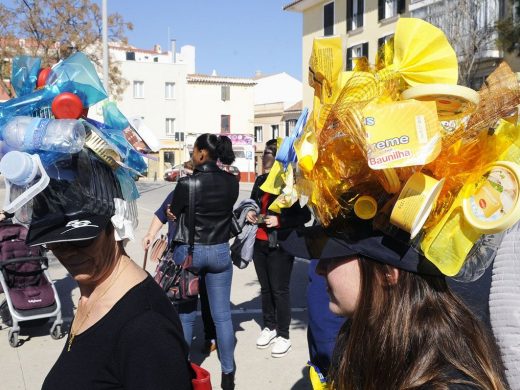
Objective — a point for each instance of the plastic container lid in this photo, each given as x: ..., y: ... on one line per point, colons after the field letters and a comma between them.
x: 35, y: 163
x: 453, y: 101
x: 492, y: 205
x: 18, y: 167
x: 43, y: 75
x: 67, y: 106
x: 365, y: 207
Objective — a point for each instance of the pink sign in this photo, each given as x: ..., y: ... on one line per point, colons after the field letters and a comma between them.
x: 240, y: 139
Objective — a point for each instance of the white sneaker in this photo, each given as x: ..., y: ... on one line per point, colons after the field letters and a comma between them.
x: 266, y: 338
x: 280, y: 347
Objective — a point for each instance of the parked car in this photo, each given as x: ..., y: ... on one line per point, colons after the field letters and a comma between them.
x: 231, y: 169
x: 176, y: 172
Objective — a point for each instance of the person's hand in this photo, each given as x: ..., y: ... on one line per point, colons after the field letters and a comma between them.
x: 147, y: 240
x: 169, y: 214
x: 251, y: 217
x: 271, y: 221
x: 2, y: 216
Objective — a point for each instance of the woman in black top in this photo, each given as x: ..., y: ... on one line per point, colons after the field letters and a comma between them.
x: 273, y: 264
x: 125, y: 333
x: 216, y: 192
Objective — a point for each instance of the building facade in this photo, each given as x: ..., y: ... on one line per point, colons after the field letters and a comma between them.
x: 277, y: 107
x: 177, y: 104
x: 364, y: 25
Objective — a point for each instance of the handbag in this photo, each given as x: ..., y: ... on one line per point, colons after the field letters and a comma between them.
x: 235, y: 229
x: 180, y: 282
x: 202, y: 380
x: 158, y: 247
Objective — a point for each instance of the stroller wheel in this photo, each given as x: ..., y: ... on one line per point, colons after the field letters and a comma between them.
x: 13, y: 339
x: 56, y: 332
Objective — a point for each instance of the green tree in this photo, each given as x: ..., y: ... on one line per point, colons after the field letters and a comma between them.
x: 52, y: 29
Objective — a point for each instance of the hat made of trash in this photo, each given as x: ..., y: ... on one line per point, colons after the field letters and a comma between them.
x: 78, y: 202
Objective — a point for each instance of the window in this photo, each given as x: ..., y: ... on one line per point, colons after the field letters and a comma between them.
x: 383, y: 55
x: 289, y: 126
x: 169, y: 90
x: 259, y: 136
x: 170, y: 126
x: 138, y: 89
x: 355, y: 10
x: 225, y: 123
x: 169, y: 157
x: 356, y: 52
x: 179, y: 136
x: 130, y: 55
x: 381, y: 41
x: 276, y: 131
x: 328, y: 19
x: 225, y: 93
x: 390, y: 8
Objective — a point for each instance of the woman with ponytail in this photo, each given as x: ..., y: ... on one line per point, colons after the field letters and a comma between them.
x: 216, y: 192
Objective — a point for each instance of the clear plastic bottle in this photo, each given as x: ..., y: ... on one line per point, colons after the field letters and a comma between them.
x: 27, y: 134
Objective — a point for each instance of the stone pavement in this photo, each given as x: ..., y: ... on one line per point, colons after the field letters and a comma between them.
x: 25, y: 367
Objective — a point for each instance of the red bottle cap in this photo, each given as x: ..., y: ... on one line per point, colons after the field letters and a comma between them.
x: 67, y: 106
x: 43, y: 75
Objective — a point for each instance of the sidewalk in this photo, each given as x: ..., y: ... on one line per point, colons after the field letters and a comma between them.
x: 25, y: 367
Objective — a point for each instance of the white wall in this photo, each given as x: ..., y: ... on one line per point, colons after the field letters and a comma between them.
x: 154, y: 107
x: 280, y: 87
x: 205, y: 107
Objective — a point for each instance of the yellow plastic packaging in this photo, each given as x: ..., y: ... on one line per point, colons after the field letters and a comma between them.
x: 449, y: 242
x: 325, y: 65
x: 401, y: 134
x: 422, y: 54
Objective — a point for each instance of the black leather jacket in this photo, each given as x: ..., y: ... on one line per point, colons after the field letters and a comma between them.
x: 215, y: 195
x: 290, y: 218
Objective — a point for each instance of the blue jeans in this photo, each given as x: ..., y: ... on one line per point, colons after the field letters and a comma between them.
x: 214, y: 265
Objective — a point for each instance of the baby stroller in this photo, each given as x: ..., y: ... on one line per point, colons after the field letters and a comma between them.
x: 29, y: 291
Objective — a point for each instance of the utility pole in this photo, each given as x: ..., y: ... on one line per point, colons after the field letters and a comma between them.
x: 105, y: 45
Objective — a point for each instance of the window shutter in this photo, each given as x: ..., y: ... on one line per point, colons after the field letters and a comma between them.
x: 364, y: 50
x: 401, y: 6
x: 350, y: 9
x: 176, y: 136
x: 349, y: 59
x: 381, y: 9
x: 361, y: 13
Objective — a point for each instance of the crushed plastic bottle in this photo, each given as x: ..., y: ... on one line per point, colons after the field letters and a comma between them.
x: 27, y: 134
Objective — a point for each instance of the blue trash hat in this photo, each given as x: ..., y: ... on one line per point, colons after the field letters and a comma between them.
x: 77, y: 204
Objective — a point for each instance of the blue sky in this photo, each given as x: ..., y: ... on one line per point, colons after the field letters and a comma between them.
x: 236, y: 38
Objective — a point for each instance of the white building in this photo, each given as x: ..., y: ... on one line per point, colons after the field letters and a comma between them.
x: 177, y: 104
x: 218, y: 104
x: 277, y: 107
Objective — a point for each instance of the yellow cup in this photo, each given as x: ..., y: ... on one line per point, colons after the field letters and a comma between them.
x: 415, y: 202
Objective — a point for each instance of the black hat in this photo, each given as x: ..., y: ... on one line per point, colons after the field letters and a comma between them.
x: 317, y: 242
x: 78, y: 202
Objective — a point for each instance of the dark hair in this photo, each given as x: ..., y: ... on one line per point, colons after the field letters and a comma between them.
x: 219, y: 147
x: 271, y: 145
x: 412, y: 333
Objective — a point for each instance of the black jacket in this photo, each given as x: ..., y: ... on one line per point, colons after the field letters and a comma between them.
x: 215, y: 195
x: 289, y: 219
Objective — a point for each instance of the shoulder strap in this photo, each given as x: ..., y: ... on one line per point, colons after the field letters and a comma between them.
x: 191, y: 211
